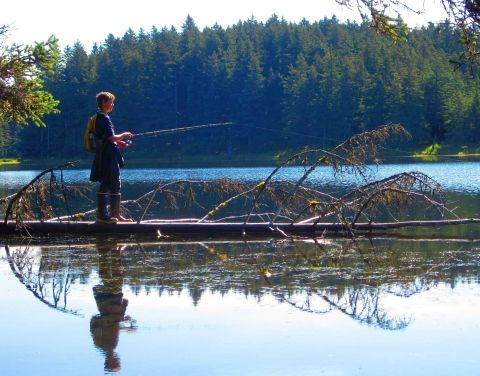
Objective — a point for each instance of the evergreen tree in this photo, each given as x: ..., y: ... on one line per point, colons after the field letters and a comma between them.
x: 283, y: 85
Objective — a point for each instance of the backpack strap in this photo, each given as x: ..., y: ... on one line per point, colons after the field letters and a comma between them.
x: 91, y: 140
x: 94, y: 130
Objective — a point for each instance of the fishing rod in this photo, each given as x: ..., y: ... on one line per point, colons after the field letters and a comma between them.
x: 174, y: 130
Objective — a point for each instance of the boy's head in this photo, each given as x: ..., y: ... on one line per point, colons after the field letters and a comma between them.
x: 103, y: 97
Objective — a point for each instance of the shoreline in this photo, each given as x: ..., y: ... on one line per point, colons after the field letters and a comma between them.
x: 207, y: 161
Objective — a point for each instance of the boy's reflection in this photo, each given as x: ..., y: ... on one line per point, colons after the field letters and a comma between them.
x: 106, y: 326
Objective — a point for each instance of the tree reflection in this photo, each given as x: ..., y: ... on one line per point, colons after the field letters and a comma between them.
x: 315, y: 276
x: 105, y: 327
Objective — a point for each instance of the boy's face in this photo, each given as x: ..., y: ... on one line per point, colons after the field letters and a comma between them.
x: 107, y: 106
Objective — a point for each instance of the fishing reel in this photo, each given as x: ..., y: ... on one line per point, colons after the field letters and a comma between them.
x: 123, y: 144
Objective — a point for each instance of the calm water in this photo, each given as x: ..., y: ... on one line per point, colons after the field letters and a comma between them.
x: 454, y: 175
x: 401, y: 304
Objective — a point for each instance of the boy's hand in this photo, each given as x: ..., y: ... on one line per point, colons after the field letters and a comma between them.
x: 122, y: 144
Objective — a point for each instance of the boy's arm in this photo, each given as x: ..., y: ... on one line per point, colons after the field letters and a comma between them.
x: 118, y: 137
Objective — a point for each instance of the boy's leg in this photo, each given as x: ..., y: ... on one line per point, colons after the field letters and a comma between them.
x: 115, y: 199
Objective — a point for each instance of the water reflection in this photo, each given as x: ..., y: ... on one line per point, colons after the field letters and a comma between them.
x: 316, y: 276
x: 106, y: 327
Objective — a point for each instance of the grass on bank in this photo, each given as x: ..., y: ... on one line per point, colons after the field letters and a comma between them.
x: 4, y: 161
x: 139, y: 160
x: 448, y: 150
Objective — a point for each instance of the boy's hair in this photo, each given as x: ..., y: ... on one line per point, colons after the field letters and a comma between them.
x: 103, y: 97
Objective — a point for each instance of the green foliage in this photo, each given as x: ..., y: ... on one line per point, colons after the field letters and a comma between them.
x: 463, y: 14
x: 431, y: 150
x: 374, y: 13
x: 9, y: 161
x: 22, y: 97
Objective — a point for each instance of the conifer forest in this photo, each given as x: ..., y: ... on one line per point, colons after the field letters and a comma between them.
x: 283, y: 86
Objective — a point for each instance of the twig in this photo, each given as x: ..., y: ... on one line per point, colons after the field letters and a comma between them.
x: 22, y: 191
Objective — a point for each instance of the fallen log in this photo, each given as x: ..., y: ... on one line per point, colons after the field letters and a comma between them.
x: 175, y: 227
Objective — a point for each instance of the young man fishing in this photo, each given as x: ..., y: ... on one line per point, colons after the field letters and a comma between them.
x: 108, y: 161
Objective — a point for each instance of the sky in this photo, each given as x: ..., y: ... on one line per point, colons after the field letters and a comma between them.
x: 91, y: 21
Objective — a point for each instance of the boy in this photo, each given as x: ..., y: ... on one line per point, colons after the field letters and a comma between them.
x: 108, y: 161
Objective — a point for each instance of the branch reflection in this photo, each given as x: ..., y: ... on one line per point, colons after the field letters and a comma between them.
x: 315, y: 276
x: 50, y: 283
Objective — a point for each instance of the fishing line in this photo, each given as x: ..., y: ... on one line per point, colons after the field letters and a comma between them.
x: 183, y: 129
x: 318, y: 137
x: 288, y: 132
x: 446, y: 158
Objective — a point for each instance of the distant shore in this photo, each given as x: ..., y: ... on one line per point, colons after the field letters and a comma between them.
x: 212, y: 161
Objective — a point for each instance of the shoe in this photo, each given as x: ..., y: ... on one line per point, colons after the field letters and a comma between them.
x: 115, y: 199
x: 102, y: 216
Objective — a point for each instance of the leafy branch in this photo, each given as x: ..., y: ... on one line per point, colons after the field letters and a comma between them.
x: 21, y: 70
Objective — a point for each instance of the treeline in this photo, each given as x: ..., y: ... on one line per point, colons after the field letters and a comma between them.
x: 275, y: 81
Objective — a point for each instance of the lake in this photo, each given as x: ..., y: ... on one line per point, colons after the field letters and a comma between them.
x: 406, y: 303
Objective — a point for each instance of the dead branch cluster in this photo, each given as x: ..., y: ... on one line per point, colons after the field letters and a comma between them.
x: 270, y: 200
x: 42, y: 198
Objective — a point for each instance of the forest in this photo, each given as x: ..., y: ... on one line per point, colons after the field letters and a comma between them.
x: 284, y: 87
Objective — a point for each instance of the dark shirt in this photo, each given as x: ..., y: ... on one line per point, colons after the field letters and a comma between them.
x: 108, y: 159
x: 103, y: 126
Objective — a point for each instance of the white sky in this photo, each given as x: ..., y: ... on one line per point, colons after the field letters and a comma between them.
x: 91, y: 21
